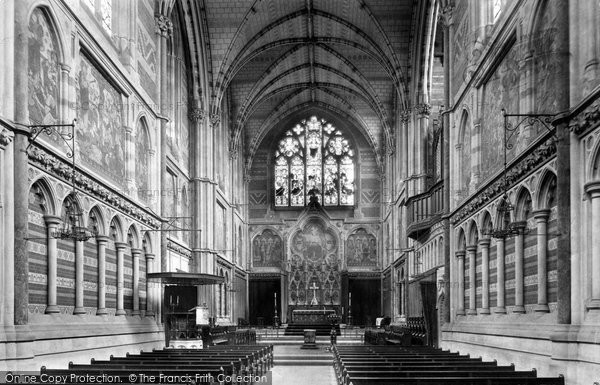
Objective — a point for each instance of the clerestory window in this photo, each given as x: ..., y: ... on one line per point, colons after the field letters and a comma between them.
x: 314, y: 159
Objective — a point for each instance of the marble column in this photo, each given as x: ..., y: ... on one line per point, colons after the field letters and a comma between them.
x: 460, y: 257
x: 120, y: 282
x: 52, y: 223
x: 79, y: 309
x: 500, y: 286
x: 149, y: 296
x: 135, y: 254
x: 485, y: 275
x: 519, y: 271
x: 101, y: 241
x: 541, y: 219
x: 593, y: 190
x: 471, y: 252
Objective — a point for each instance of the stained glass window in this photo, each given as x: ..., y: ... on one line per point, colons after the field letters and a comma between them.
x: 314, y: 159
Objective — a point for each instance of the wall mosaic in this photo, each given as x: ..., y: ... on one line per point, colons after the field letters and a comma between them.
x: 100, y: 136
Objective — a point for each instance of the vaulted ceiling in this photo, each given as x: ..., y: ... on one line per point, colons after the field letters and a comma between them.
x: 271, y: 58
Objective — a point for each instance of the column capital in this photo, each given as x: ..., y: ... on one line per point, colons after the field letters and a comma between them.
x: 459, y: 254
x: 541, y: 214
x: 121, y: 245
x: 593, y: 189
x: 101, y: 239
x: 163, y: 25
x: 52, y: 220
x: 471, y: 248
x: 149, y: 256
x: 136, y: 252
x: 6, y: 136
x: 484, y: 242
x: 64, y: 67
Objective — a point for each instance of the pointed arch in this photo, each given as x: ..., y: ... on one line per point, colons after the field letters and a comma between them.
x: 43, y: 195
x: 546, y: 192
x: 524, y: 206
x: 96, y: 220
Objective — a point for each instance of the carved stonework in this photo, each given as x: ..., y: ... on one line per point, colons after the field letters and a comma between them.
x: 447, y: 16
x: 179, y: 250
x: 404, y: 115
x: 215, y: 119
x: 164, y: 26
x: 540, y: 155
x: 6, y: 137
x: 197, y: 114
x: 586, y: 119
x: 423, y: 109
x: 64, y: 171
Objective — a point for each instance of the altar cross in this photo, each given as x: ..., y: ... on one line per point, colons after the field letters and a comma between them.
x: 314, y: 288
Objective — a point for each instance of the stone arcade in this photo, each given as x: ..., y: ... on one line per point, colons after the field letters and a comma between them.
x: 178, y: 172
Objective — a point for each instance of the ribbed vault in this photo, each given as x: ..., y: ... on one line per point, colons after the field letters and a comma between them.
x: 273, y: 58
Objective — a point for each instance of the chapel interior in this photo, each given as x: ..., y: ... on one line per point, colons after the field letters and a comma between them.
x: 402, y: 177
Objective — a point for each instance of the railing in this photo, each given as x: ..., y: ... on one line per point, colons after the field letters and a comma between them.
x: 424, y: 210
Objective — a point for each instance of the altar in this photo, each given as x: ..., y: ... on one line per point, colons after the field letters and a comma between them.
x: 311, y: 316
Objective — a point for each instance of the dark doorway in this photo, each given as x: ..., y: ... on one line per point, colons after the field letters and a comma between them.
x: 262, y: 301
x: 366, y: 300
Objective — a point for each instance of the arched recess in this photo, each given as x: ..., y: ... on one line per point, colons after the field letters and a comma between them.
x: 542, y: 46
x: 546, y: 200
x: 181, y: 83
x: 41, y: 223
x: 45, y: 54
x: 461, y: 240
x: 240, y: 247
x: 115, y: 235
x: 463, y: 152
x: 594, y: 173
x: 267, y: 249
x: 143, y: 167
x: 313, y: 257
x: 524, y: 218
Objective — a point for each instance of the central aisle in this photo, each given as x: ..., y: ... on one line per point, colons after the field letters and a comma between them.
x: 295, y: 366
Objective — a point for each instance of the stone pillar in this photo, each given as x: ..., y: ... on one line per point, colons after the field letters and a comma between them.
x: 149, y: 295
x: 541, y: 219
x: 593, y: 190
x: 485, y: 276
x: 460, y: 257
x: 120, y: 284
x: 519, y: 271
x: 20, y: 158
x: 500, y: 288
x: 51, y: 246
x: 101, y: 241
x: 7, y: 238
x: 135, y: 254
x: 471, y: 250
x: 79, y: 309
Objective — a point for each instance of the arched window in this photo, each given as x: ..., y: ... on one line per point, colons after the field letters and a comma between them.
x: 314, y: 159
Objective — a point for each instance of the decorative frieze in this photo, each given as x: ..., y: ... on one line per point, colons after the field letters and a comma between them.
x: 64, y: 171
x: 537, y: 157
